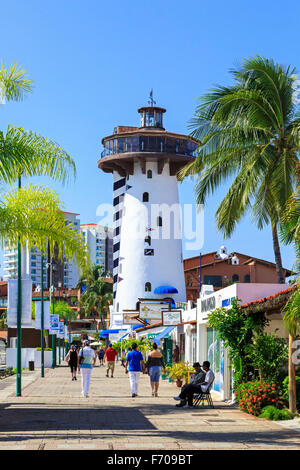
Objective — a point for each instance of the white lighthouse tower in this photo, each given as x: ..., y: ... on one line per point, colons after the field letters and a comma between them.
x: 147, y: 244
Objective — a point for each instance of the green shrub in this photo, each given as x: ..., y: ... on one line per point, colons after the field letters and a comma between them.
x: 274, y: 414
x: 285, y: 386
x: 45, y: 349
x: 252, y: 397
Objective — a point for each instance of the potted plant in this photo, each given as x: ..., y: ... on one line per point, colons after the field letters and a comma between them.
x: 179, y: 372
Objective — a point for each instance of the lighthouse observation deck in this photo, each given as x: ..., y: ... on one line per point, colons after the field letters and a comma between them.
x: 148, y: 142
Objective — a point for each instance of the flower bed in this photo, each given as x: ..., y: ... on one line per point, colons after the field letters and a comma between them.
x: 252, y: 397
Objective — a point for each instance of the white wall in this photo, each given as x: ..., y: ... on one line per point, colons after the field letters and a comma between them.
x: 166, y: 266
x: 29, y: 354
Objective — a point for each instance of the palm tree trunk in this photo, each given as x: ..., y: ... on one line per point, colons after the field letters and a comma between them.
x: 276, y: 248
x: 292, y: 378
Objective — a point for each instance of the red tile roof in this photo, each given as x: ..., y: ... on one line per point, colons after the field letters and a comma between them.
x: 273, y: 296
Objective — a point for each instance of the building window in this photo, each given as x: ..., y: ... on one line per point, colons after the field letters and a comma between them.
x: 159, y: 221
x: 235, y: 278
x: 145, y: 197
x: 215, y: 281
x: 148, y: 287
x: 247, y: 278
x: 148, y: 240
x: 149, y: 174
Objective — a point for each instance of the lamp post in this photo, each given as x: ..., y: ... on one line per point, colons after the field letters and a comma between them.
x: 19, y: 317
x: 65, y: 320
x: 53, y: 303
x: 59, y: 340
x: 42, y: 318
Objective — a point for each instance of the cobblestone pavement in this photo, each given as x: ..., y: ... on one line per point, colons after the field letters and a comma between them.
x: 52, y: 414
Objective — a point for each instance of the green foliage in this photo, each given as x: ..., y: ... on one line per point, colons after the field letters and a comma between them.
x: 14, y: 83
x: 253, y: 396
x: 33, y: 214
x: 250, y: 134
x: 144, y: 344
x: 62, y: 309
x: 179, y: 370
x: 98, y: 293
x: 285, y: 386
x: 236, y: 329
x: 45, y: 349
x: 272, y: 413
x: 269, y: 354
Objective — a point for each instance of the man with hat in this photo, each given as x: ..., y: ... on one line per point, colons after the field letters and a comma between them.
x: 86, y: 362
x: 201, y: 384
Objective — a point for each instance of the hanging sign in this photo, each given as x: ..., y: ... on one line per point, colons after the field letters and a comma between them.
x: 38, y: 307
x: 151, y: 311
x: 26, y: 302
x: 129, y: 317
x: 54, y: 324
x: 171, y: 317
x: 61, y: 333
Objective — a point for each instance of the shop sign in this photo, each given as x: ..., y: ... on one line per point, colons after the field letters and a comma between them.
x: 208, y: 304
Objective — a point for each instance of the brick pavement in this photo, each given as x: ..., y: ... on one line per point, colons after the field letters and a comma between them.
x: 52, y: 414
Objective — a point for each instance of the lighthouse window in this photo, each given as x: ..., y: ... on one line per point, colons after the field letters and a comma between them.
x: 148, y: 287
x: 159, y: 221
x: 152, y: 144
x: 149, y: 174
x: 127, y: 144
x: 120, y: 145
x: 135, y: 144
x: 145, y: 197
x: 148, y: 240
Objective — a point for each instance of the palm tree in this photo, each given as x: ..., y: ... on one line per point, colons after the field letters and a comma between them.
x: 97, y: 294
x: 24, y: 153
x: 250, y: 132
x: 290, y: 233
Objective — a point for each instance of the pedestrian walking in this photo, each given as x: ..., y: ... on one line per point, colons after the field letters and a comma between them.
x: 154, y: 364
x: 134, y: 366
x: 176, y: 354
x: 110, y: 357
x: 72, y: 359
x: 87, y: 360
x: 101, y: 353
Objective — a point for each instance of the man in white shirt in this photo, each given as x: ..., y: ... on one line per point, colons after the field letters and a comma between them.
x: 188, y: 393
x: 87, y: 360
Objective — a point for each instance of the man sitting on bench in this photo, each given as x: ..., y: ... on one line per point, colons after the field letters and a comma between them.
x: 187, y: 392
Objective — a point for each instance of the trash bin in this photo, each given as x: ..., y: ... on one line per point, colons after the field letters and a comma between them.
x: 31, y: 365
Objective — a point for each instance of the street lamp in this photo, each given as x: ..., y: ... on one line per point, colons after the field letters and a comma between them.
x: 52, y: 288
x: 59, y: 340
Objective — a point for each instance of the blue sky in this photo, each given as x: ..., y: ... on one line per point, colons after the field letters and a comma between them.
x: 94, y: 63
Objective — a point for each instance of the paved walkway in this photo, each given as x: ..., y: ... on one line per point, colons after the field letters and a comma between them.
x: 52, y: 414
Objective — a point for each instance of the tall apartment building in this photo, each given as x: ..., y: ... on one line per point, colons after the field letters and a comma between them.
x: 65, y: 273
x: 99, y: 240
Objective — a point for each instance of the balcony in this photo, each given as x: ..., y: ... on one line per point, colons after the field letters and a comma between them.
x: 153, y: 144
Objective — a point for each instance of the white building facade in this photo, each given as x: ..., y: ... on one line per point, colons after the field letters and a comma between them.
x: 208, y: 346
x: 99, y: 241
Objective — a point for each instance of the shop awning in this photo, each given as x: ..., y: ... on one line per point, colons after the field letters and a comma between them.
x: 165, y: 290
x: 110, y: 332
x: 122, y: 337
x: 163, y: 334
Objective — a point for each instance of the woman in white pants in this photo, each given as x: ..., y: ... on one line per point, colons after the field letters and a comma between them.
x: 134, y: 365
x: 87, y: 360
